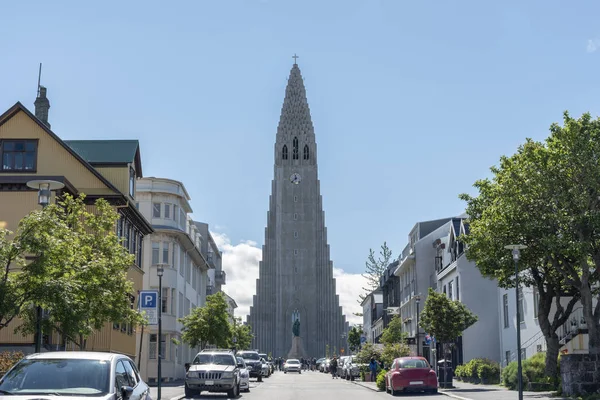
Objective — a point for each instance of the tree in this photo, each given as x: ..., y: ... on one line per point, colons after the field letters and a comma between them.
x: 242, y: 334
x: 78, y: 272
x: 354, y: 338
x: 374, y: 269
x: 208, y: 324
x: 393, y: 332
x: 368, y: 351
x: 445, y: 319
x: 546, y: 197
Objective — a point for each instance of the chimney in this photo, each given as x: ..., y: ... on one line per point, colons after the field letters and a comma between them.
x: 42, y: 105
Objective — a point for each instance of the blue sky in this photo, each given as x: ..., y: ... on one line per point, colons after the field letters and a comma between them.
x: 411, y: 101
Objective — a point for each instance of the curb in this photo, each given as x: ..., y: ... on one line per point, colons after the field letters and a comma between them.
x: 178, y: 397
x: 370, y: 388
x: 454, y: 396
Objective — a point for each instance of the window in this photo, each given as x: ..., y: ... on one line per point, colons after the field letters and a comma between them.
x: 156, y: 210
x: 521, y: 308
x: 295, y: 199
x: 188, y: 271
x: 295, y: 150
x: 175, y: 255
x: 164, y: 300
x: 445, y: 289
x: 194, y: 273
x: 152, y: 346
x: 155, y: 252
x: 131, y: 182
x: 182, y: 219
x: 175, y: 212
x: 306, y: 152
x: 180, y: 305
x: 187, y: 306
x: 137, y: 205
x: 457, y: 290
x: 505, y: 307
x: 182, y: 262
x: 126, y: 232
x: 19, y: 155
x: 284, y: 153
x: 139, y: 250
x: 173, y: 309
x: 121, y: 378
x: 536, y: 301
x: 295, y: 252
x: 450, y: 292
x: 167, y: 211
x: 295, y: 234
x: 165, y: 250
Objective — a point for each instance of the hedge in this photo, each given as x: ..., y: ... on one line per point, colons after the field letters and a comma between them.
x: 479, y: 370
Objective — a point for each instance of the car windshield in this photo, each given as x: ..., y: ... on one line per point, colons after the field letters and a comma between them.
x: 218, y: 359
x: 250, y: 356
x: 58, y: 377
x: 240, y: 361
x: 413, y: 364
x: 293, y: 362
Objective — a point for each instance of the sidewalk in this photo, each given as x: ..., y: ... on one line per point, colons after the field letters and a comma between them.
x: 368, y: 385
x: 469, y: 391
x: 169, y: 391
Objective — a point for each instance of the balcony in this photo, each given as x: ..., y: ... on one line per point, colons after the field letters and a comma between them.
x: 211, y: 261
x: 220, y: 277
x: 210, y: 289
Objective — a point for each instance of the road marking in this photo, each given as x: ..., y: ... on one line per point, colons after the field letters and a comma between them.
x: 181, y: 396
x: 453, y: 395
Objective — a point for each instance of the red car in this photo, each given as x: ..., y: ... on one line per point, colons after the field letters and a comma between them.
x: 411, y: 374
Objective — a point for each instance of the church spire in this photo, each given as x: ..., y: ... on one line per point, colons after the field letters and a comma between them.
x: 295, y: 120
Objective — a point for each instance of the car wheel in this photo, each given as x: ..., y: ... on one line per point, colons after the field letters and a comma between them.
x: 299, y: 372
x: 189, y: 393
x: 285, y: 372
x: 259, y: 379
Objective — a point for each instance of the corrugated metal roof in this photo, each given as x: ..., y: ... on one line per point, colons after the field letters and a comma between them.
x: 105, y: 151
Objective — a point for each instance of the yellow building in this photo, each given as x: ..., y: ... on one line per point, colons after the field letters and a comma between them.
x: 29, y: 150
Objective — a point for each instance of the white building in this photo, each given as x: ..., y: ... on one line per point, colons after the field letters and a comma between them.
x: 231, y: 306
x: 372, y: 311
x: 216, y: 275
x: 177, y: 245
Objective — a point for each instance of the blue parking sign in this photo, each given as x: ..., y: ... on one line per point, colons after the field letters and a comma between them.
x: 148, y: 302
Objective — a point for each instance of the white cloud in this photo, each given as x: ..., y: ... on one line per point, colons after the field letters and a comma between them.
x: 240, y: 262
x: 592, y: 45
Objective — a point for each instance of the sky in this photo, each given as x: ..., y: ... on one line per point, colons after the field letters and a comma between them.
x: 412, y: 101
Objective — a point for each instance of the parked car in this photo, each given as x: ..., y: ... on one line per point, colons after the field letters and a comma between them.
x: 318, y: 363
x: 325, y: 365
x: 411, y: 374
x: 213, y: 371
x: 352, y: 368
x: 292, y: 365
x: 75, y: 374
x: 244, y: 375
x: 341, y: 363
x: 266, y: 370
x: 252, y: 359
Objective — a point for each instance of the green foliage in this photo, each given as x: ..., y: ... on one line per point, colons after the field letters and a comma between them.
x: 374, y: 269
x: 546, y: 197
x: 77, y: 273
x: 479, y: 370
x: 393, y: 332
x: 392, y: 351
x: 8, y: 359
x: 367, y: 352
x: 354, y: 338
x: 380, y: 380
x: 444, y: 318
x: 243, y: 335
x: 208, y: 324
x: 533, y: 371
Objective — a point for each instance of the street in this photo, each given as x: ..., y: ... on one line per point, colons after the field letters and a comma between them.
x: 315, y: 385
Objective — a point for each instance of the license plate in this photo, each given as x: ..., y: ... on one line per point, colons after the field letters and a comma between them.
x: 416, y: 383
x: 209, y: 383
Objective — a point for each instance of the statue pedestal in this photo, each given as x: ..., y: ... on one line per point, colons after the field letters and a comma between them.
x: 297, y: 350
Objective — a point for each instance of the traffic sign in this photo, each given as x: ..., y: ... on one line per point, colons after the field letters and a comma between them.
x: 149, y: 305
x: 363, y: 339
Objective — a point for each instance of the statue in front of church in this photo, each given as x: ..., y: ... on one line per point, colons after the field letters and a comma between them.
x: 296, y: 328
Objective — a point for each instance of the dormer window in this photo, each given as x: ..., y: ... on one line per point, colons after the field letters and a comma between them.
x: 19, y: 155
x: 131, y: 182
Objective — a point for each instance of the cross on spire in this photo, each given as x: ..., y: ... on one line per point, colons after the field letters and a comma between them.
x: 295, y: 57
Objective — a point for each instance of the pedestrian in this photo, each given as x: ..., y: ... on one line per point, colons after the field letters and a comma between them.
x: 373, y: 369
x: 381, y: 365
x: 333, y: 367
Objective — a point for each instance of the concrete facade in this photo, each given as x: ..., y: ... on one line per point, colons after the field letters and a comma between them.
x: 372, y: 311
x: 296, y: 273
x: 216, y: 275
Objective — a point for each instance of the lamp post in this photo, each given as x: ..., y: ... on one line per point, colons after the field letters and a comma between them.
x: 417, y: 301
x: 160, y: 270
x: 44, y: 188
x: 516, y: 253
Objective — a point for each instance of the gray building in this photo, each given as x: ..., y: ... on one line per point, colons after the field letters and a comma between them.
x: 216, y: 275
x: 296, y: 273
x: 372, y: 311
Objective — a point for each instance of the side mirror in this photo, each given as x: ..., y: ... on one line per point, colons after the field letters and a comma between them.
x: 126, y: 392
x: 240, y: 365
x: 187, y: 367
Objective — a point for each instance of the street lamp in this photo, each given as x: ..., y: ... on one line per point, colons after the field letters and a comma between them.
x: 160, y: 270
x: 44, y: 188
x: 417, y: 301
x: 516, y: 253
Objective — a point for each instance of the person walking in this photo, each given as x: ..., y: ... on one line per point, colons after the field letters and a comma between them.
x: 333, y: 367
x: 373, y: 369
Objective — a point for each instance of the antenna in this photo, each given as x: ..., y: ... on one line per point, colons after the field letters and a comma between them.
x: 39, y: 79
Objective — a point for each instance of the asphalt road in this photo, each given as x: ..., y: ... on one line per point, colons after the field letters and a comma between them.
x: 312, y: 385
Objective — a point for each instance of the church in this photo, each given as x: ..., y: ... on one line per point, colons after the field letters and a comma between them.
x: 296, y: 300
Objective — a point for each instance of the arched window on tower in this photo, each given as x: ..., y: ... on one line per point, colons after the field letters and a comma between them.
x: 284, y: 153
x: 306, y: 152
x: 295, y: 151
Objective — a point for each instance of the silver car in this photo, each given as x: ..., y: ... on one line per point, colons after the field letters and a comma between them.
x: 74, y: 375
x: 213, y: 371
x: 292, y: 365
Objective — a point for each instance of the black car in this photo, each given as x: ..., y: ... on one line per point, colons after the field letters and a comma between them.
x: 252, y: 359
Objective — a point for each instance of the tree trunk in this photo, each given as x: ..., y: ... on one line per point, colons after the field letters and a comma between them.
x: 552, y: 349
x: 592, y: 324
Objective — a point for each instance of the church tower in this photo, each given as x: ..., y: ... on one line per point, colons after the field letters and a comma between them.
x: 296, y: 274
